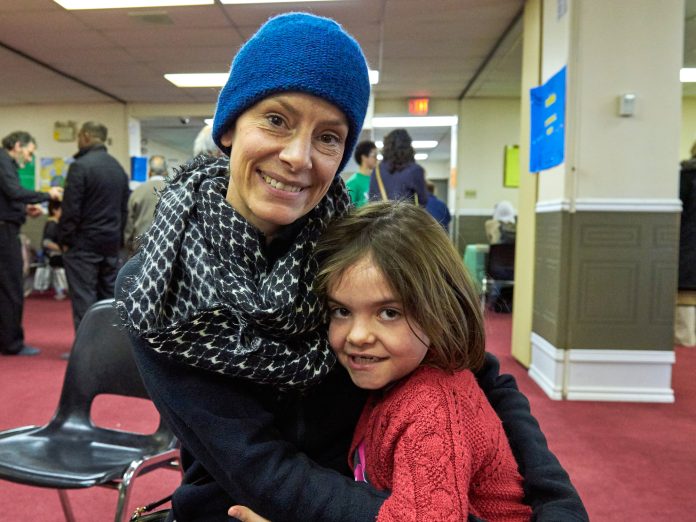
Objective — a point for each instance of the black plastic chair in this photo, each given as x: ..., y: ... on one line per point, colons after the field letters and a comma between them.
x: 500, y: 270
x: 70, y: 452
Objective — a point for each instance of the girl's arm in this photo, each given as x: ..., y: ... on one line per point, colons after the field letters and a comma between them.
x: 546, y: 484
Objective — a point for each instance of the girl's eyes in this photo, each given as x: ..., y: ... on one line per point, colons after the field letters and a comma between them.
x: 389, y: 314
x: 338, y: 312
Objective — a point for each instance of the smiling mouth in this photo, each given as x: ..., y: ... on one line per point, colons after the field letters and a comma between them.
x: 365, y: 359
x: 279, y: 185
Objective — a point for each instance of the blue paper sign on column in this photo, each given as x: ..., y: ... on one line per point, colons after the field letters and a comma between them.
x: 139, y: 168
x: 548, y: 103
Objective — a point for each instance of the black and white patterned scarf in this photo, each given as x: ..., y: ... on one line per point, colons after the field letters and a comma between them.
x: 207, y: 296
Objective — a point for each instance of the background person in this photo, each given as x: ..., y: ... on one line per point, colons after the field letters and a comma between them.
x: 358, y: 184
x: 436, y: 207
x: 142, y: 202
x: 204, y: 144
x: 401, y: 176
x: 54, y: 252
x: 17, y: 150
x: 229, y: 338
x: 502, y: 227
x: 95, y: 209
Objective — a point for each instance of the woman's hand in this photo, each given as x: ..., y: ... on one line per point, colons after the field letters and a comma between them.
x: 245, y: 514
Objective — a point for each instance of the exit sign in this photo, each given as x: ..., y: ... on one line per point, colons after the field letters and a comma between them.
x: 418, y: 106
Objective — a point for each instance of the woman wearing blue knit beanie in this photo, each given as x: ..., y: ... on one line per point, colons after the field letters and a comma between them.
x: 228, y: 335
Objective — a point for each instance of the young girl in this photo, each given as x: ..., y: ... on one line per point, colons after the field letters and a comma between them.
x: 405, y: 322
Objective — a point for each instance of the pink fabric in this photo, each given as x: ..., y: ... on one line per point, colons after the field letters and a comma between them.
x: 360, y: 465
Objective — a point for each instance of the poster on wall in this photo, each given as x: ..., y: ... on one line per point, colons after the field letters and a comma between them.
x: 53, y: 172
x: 548, y: 102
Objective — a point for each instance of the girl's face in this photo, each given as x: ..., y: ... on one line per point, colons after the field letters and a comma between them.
x: 286, y: 150
x: 368, y: 330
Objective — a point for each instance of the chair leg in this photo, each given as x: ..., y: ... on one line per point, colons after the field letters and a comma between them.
x: 122, y: 514
x: 65, y: 504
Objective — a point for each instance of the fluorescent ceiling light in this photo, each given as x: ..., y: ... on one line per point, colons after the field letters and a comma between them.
x: 198, y: 79
x: 687, y: 75
x: 416, y: 144
x: 127, y: 4
x: 421, y: 156
x: 413, y: 121
x: 270, y: 1
x: 219, y: 79
x: 380, y: 157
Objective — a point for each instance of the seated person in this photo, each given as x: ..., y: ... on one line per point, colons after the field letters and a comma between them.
x: 501, y: 228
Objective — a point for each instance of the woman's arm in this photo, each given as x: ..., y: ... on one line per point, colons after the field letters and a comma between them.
x: 547, y: 486
x: 229, y: 430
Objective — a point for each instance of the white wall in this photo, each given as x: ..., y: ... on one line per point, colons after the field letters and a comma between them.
x: 628, y: 157
x: 486, y: 126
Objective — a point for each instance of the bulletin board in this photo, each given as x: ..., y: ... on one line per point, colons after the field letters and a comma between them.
x: 511, y: 166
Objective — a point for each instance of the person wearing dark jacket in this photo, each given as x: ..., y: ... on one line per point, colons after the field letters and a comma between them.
x: 401, y: 177
x: 95, y: 210
x: 687, y: 231
x: 17, y: 149
x: 229, y: 337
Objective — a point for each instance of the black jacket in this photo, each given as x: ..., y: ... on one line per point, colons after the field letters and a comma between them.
x: 687, y: 234
x: 13, y: 196
x: 95, y: 203
x: 285, y: 454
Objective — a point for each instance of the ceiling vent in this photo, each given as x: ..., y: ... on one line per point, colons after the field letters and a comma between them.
x: 152, y: 17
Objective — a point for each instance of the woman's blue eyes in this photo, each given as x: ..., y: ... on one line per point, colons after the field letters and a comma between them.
x: 276, y: 120
x: 327, y: 138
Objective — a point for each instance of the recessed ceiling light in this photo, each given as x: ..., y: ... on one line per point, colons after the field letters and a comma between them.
x: 413, y: 121
x: 126, y: 4
x: 374, y: 77
x: 687, y: 75
x: 416, y: 144
x: 198, y: 79
x: 210, y: 79
x: 270, y: 1
x: 421, y: 156
x: 424, y: 144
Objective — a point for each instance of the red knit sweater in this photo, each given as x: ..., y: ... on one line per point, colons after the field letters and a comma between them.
x: 437, y: 444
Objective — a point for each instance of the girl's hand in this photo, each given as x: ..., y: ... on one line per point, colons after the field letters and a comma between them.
x: 245, y: 514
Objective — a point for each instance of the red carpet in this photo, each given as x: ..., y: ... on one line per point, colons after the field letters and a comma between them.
x: 630, y: 462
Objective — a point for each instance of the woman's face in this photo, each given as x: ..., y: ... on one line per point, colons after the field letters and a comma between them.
x: 286, y: 150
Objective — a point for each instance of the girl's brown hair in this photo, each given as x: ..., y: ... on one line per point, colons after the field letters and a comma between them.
x: 423, y: 269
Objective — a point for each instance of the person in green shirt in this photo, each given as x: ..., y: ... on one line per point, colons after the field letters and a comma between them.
x: 359, y: 183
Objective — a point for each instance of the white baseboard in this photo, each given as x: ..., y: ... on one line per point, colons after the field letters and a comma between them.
x: 602, y: 375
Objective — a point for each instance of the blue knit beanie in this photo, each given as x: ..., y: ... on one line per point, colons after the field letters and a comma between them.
x: 297, y: 52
